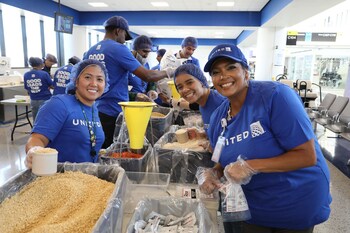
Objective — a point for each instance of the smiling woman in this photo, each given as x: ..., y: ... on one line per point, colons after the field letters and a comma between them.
x: 70, y: 123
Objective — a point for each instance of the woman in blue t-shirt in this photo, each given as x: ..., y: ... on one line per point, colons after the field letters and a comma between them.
x: 70, y: 123
x: 38, y: 84
x: 268, y: 146
x: 192, y: 85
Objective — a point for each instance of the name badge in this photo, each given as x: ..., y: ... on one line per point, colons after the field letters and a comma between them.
x: 218, y: 148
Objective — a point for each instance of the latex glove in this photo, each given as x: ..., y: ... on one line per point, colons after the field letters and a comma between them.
x: 152, y: 95
x: 239, y: 172
x: 208, y: 180
x: 170, y: 71
x: 29, y: 157
x: 142, y: 98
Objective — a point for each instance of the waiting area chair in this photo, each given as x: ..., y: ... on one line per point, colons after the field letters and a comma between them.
x: 342, y: 125
x: 333, y: 112
x: 322, y: 109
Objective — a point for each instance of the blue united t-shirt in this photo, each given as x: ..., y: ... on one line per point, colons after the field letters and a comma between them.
x: 119, y: 61
x: 62, y: 121
x: 37, y: 83
x: 61, y: 79
x: 271, y: 122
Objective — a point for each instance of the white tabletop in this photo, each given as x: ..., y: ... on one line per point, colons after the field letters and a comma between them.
x: 14, y: 101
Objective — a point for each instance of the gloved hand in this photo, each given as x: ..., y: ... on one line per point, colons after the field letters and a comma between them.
x: 170, y: 71
x: 152, y: 95
x: 239, y: 172
x: 175, y: 103
x: 29, y: 157
x: 208, y: 180
x: 142, y: 98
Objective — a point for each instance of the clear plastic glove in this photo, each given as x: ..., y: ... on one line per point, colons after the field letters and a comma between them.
x: 239, y: 172
x: 170, y: 71
x: 142, y: 98
x: 29, y: 157
x: 208, y: 180
x: 152, y: 95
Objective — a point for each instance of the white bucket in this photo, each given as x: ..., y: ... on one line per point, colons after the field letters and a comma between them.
x: 44, y: 162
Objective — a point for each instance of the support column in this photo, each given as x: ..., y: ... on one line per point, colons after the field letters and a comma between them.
x: 270, y: 53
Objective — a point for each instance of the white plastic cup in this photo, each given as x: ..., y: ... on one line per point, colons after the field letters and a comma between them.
x: 181, y: 136
x: 44, y: 162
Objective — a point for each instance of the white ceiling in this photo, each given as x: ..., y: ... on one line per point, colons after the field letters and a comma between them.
x: 295, y: 12
x: 174, y: 5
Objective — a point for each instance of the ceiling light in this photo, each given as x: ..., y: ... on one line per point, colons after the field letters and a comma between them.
x: 98, y: 4
x: 225, y: 4
x: 160, y: 4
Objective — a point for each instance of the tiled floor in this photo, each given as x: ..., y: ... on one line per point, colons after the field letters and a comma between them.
x: 336, y: 150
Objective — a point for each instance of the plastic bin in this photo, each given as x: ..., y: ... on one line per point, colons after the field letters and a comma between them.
x: 111, y: 219
x: 174, y: 206
x: 181, y: 164
x: 129, y: 164
x: 141, y: 185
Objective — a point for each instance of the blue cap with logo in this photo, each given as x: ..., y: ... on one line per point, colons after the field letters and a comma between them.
x: 118, y: 22
x: 225, y: 50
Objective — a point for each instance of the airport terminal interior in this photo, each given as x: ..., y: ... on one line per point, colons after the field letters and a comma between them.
x: 303, y: 44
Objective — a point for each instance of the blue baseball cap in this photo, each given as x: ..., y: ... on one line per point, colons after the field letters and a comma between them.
x: 118, y: 22
x: 225, y: 50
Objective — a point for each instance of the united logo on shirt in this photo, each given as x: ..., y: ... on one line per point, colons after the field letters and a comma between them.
x: 256, y: 129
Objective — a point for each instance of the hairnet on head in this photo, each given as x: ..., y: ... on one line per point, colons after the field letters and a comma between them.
x: 142, y: 42
x: 74, y: 60
x: 189, y: 41
x: 193, y: 70
x: 51, y: 58
x: 118, y: 22
x: 79, y: 68
x: 35, y: 61
x: 161, y: 52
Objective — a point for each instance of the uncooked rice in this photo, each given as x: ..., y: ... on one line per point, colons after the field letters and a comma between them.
x: 64, y: 202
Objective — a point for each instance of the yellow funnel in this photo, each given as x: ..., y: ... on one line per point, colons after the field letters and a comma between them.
x: 173, y: 89
x: 137, y: 115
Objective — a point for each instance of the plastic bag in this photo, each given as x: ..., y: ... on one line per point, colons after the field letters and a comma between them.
x: 234, y: 206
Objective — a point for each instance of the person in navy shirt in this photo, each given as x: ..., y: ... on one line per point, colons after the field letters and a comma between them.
x: 61, y: 77
x: 119, y: 61
x: 49, y: 61
x: 268, y: 146
x: 70, y: 123
x: 188, y: 45
x: 38, y: 84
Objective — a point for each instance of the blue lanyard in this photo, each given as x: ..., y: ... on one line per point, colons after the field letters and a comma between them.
x: 91, y: 129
